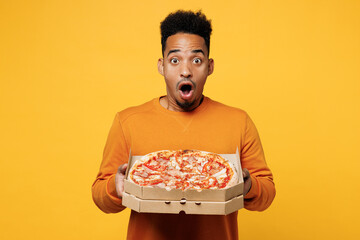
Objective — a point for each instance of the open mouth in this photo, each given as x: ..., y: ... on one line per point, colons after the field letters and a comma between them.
x: 186, y: 90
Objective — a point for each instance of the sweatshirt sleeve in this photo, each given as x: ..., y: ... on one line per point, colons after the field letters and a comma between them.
x: 115, y: 153
x: 262, y: 191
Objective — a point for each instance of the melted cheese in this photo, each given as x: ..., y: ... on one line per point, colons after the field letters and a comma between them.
x: 221, y: 174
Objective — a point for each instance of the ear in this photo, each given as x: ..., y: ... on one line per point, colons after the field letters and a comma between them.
x: 161, y: 66
x: 211, y: 66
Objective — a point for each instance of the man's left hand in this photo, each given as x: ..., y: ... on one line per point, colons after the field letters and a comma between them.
x: 247, y: 181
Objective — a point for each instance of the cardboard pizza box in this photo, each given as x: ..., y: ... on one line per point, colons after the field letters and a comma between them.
x: 156, y: 193
x: 188, y: 207
x: 206, y: 201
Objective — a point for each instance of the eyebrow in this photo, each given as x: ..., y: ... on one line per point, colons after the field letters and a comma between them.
x: 193, y: 51
x: 172, y: 51
x: 198, y: 51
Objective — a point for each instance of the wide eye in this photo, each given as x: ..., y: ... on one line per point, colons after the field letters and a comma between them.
x: 174, y: 61
x: 197, y: 61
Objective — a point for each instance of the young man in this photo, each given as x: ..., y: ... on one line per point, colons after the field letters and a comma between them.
x: 183, y: 119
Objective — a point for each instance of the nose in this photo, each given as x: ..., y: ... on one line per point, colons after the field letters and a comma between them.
x: 185, y: 70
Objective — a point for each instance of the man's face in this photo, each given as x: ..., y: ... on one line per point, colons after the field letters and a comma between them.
x: 185, y: 67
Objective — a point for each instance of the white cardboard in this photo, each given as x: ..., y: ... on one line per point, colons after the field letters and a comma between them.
x: 189, y: 207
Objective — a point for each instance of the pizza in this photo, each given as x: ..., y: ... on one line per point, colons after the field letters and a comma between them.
x: 183, y: 169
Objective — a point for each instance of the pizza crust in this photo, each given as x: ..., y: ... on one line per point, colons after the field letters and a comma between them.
x: 235, y: 178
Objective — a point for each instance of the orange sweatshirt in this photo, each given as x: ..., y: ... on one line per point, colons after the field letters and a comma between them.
x: 212, y: 127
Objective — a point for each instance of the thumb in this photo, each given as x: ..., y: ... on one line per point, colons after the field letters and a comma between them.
x: 122, y: 169
x: 245, y: 173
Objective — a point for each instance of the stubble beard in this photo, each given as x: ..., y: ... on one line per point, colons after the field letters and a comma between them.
x: 189, y: 106
x: 186, y: 106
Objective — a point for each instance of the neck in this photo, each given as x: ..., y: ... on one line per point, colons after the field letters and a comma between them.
x: 173, y: 106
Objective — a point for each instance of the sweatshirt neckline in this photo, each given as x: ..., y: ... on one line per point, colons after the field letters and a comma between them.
x: 200, y: 108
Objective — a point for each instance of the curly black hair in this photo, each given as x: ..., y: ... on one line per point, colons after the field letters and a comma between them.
x: 185, y: 22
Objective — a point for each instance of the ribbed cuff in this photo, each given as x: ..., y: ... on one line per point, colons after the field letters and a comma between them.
x: 111, y: 190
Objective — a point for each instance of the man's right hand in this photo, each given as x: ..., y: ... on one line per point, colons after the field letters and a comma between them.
x: 119, y: 179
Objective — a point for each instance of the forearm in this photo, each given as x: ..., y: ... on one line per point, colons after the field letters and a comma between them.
x: 262, y: 191
x: 115, y: 154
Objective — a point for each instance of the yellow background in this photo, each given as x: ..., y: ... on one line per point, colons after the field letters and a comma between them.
x: 66, y: 68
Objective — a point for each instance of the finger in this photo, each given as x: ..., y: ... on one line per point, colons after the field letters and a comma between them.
x: 246, y: 173
x: 122, y: 168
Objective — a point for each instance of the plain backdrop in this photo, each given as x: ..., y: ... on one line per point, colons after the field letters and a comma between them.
x: 67, y: 67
